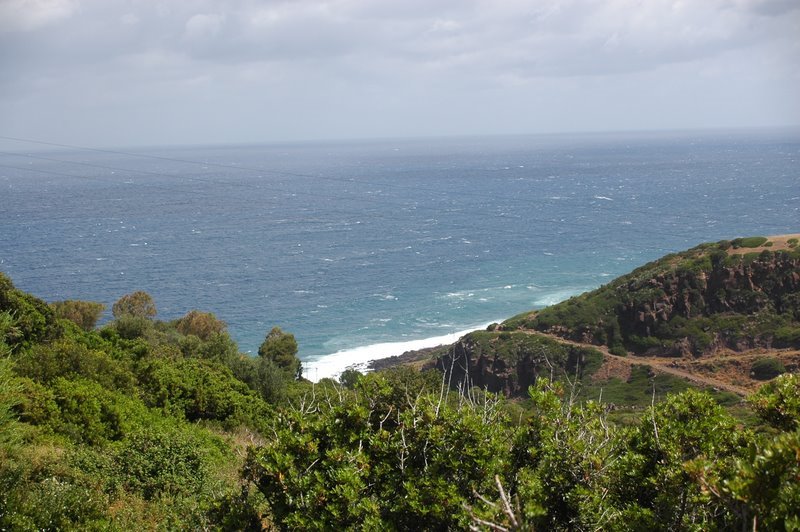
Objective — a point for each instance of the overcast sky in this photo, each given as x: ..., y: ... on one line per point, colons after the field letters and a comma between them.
x: 117, y: 73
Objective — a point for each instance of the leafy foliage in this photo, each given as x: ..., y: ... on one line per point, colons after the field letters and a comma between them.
x: 778, y: 402
x: 28, y: 320
x: 280, y: 348
x: 150, y: 425
x: 138, y: 304
x: 200, y: 324
x: 10, y: 397
x: 82, y: 313
x: 767, y: 368
x: 356, y: 460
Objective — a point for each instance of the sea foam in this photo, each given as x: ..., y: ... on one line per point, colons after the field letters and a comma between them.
x: 331, y: 366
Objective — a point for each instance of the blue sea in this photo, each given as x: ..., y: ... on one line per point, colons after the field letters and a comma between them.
x: 363, y: 249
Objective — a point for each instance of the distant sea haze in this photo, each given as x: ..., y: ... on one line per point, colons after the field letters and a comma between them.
x: 367, y: 249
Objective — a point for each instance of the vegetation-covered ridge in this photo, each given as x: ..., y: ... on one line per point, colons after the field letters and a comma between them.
x: 738, y: 294
x: 145, y: 424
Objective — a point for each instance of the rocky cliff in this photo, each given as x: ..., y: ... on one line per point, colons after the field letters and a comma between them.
x: 508, y: 363
x: 712, y: 296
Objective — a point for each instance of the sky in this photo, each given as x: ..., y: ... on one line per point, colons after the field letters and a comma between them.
x: 140, y: 72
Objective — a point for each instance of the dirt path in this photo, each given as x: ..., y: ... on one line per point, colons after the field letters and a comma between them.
x: 659, y: 365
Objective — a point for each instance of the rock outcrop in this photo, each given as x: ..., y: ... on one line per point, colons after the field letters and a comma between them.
x: 509, y: 363
x: 690, y: 303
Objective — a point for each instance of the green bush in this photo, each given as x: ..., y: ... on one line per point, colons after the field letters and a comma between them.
x: 131, y: 327
x: 778, y: 402
x: 767, y: 368
x: 618, y: 350
x: 643, y: 343
x: 357, y: 462
x: 153, y: 461
x: 195, y: 389
x: 46, y: 362
x: 82, y: 313
x: 32, y: 320
x: 51, y: 503
x: 10, y: 397
x: 787, y: 337
x: 749, y: 242
x: 90, y: 413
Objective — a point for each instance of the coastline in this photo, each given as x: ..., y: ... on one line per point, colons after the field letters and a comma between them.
x: 359, y: 358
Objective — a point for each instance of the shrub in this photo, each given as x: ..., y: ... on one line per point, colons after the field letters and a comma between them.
x: 787, y: 337
x: 201, y: 324
x: 45, y: 363
x: 131, y: 327
x: 154, y: 461
x: 31, y: 319
x: 82, y: 313
x: 349, y: 378
x: 195, y: 389
x: 281, y: 349
x: 778, y: 402
x: 767, y: 368
x: 139, y: 304
x: 618, y: 350
x: 10, y: 397
x: 749, y: 242
x: 89, y: 413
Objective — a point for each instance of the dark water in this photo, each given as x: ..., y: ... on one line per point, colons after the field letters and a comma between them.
x: 361, y: 243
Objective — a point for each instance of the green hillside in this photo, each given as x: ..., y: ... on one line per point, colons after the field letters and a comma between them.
x: 736, y: 294
x: 143, y: 424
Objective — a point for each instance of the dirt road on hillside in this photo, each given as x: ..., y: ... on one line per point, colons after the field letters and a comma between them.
x: 658, y: 364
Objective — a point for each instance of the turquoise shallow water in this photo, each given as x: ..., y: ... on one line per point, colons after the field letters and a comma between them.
x: 357, y: 244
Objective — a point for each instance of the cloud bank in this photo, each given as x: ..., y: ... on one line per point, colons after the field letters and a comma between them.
x: 151, y: 72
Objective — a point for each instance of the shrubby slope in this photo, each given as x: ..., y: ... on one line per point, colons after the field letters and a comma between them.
x: 736, y: 294
x: 144, y: 424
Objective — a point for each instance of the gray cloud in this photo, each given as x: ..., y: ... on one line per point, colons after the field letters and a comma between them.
x: 342, y: 68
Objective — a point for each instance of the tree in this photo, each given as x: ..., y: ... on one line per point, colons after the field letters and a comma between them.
x: 138, y: 304
x: 778, y: 402
x: 349, y: 378
x: 657, y: 480
x: 281, y: 349
x: 9, y: 398
x: 201, y: 324
x: 361, y: 460
x: 82, y: 313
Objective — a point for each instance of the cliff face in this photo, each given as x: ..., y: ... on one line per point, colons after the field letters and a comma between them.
x: 508, y: 363
x: 686, y: 305
x: 693, y: 302
x: 766, y: 287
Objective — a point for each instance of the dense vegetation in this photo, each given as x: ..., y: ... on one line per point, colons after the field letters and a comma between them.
x: 687, y: 303
x: 145, y: 424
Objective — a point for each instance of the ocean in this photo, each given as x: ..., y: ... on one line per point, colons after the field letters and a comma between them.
x: 365, y: 249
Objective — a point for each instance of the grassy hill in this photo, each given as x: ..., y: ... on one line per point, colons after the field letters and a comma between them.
x: 739, y: 294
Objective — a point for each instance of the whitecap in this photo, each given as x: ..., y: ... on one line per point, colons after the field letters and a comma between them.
x: 603, y: 198
x: 331, y: 366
